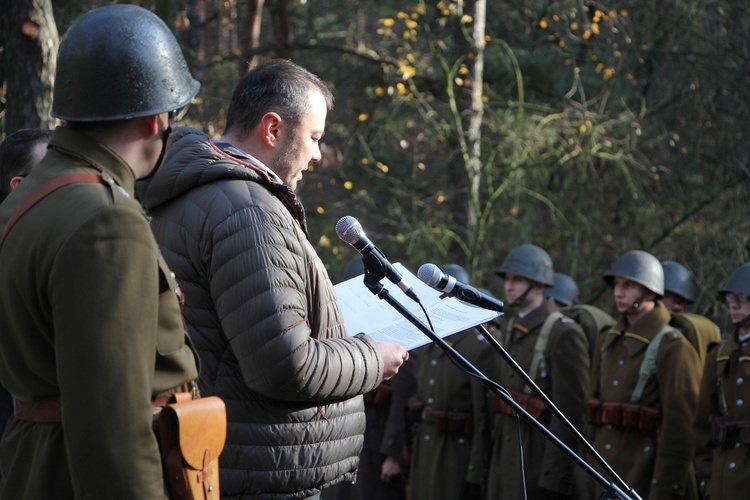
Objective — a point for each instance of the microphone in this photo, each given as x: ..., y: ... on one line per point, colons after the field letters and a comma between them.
x: 434, y: 277
x: 350, y: 230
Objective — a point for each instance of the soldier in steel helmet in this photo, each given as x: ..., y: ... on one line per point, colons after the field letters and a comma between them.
x: 92, y: 331
x: 564, y: 292
x: 557, y: 360
x: 644, y: 386
x: 722, y: 421
x: 679, y: 295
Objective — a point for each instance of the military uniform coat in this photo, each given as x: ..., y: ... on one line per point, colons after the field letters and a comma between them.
x: 724, y: 468
x: 656, y: 464
x: 564, y: 382
x: 439, y: 459
x: 89, y: 314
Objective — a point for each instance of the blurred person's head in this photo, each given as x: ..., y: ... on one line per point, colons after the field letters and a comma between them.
x: 19, y: 153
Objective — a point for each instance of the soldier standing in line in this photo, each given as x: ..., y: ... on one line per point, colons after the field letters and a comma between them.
x: 722, y: 422
x: 679, y: 294
x: 441, y: 413
x: 559, y: 365
x: 644, y: 386
x: 93, y: 339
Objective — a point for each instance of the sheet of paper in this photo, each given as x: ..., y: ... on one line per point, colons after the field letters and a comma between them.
x: 365, y: 312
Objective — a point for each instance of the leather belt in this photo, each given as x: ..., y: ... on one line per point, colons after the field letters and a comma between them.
x: 50, y: 410
x: 449, y: 421
x: 533, y: 405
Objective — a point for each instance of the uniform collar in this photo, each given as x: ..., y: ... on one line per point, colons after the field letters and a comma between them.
x: 95, y: 154
x: 533, y: 319
x: 642, y: 332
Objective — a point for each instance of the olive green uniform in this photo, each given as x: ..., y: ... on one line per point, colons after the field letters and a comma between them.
x: 724, y: 467
x: 548, y: 470
x: 656, y: 463
x: 441, y: 449
x: 89, y: 315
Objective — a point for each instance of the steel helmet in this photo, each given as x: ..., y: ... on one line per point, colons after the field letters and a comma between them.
x: 640, y: 267
x: 677, y: 280
x: 531, y: 262
x: 119, y: 62
x: 738, y: 282
x: 457, y: 272
x: 564, y: 291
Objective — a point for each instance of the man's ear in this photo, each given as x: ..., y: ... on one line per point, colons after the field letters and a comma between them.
x: 270, y: 126
x: 15, y: 181
x: 152, y: 124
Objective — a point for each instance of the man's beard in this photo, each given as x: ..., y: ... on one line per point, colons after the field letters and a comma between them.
x: 284, y: 163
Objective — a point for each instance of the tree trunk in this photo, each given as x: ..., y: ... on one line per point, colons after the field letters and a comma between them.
x: 30, y: 43
x: 250, y: 26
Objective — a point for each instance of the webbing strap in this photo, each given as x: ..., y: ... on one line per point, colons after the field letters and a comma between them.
x: 648, y: 365
x: 43, y: 191
x: 538, y: 360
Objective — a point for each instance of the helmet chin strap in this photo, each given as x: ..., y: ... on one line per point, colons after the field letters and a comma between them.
x: 519, y: 300
x: 633, y: 308
x: 744, y: 321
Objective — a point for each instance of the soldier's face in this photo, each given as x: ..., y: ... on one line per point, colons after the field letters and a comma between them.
x: 627, y: 292
x: 738, y: 309
x: 515, y: 286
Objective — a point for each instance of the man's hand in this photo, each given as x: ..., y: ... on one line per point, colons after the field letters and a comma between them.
x: 394, y: 356
x: 390, y: 468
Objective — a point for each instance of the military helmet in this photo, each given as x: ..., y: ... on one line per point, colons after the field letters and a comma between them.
x: 118, y: 62
x: 564, y: 291
x: 640, y: 267
x: 738, y: 282
x: 677, y: 280
x: 457, y: 272
x: 531, y: 262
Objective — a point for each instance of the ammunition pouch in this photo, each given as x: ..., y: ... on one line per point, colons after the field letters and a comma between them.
x: 449, y: 421
x: 533, y: 405
x: 730, y: 432
x: 380, y: 396
x: 622, y: 414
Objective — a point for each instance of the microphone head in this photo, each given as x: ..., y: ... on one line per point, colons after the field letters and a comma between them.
x: 430, y: 274
x: 349, y: 229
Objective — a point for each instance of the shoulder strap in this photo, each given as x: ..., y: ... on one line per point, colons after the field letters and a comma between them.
x: 538, y: 360
x: 43, y: 191
x: 648, y: 365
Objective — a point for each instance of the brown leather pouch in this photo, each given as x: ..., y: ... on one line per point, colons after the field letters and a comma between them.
x: 192, y: 434
x: 631, y: 415
x: 648, y: 418
x: 612, y: 413
x: 593, y: 410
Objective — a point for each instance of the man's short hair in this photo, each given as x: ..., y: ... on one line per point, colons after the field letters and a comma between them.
x: 275, y: 85
x: 16, y: 155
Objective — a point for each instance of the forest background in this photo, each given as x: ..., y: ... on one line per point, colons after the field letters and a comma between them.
x: 463, y: 128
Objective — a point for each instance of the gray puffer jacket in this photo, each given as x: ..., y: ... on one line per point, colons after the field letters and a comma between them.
x: 263, y: 315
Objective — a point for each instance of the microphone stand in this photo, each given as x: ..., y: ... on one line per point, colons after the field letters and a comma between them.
x: 613, y: 491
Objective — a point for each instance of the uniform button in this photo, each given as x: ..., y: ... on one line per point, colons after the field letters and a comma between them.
x: 740, y: 402
x: 740, y: 381
x: 647, y: 449
x: 621, y: 362
x: 625, y: 342
x: 654, y: 482
x: 608, y: 446
x: 426, y: 437
x: 675, y: 486
x: 609, y: 426
x: 461, y: 440
x: 507, y: 437
x: 431, y: 381
x: 433, y: 362
x: 615, y: 383
x: 732, y: 465
x: 511, y: 374
x: 737, y: 445
x: 430, y: 401
x: 471, y: 467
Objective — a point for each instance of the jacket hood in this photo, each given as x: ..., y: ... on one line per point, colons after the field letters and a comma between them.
x: 193, y: 160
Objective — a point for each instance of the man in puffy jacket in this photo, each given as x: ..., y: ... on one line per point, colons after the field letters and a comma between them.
x: 258, y: 300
